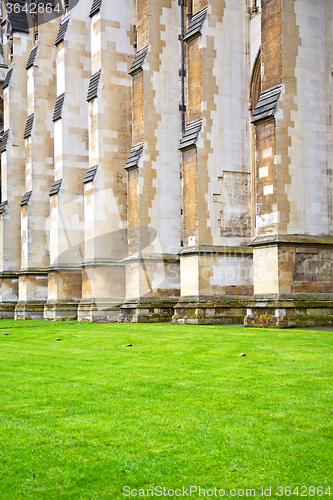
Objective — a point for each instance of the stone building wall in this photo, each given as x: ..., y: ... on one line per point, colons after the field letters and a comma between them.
x: 178, y: 165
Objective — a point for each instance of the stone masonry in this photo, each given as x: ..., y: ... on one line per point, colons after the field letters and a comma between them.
x: 167, y: 160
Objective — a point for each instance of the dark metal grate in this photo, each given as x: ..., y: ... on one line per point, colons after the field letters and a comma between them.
x: 266, y: 107
x: 26, y: 198
x: 62, y: 31
x: 93, y: 85
x: 55, y: 187
x: 58, y: 107
x: 134, y: 156
x: 3, y: 206
x: 196, y: 25
x: 7, y: 79
x: 95, y: 7
x: 4, y: 141
x: 191, y: 133
x: 18, y: 20
x: 28, y: 126
x: 90, y: 174
x: 32, y: 57
x: 139, y: 59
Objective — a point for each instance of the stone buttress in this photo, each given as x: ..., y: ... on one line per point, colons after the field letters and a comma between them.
x: 105, y: 189
x: 293, y: 189
x: 71, y: 161
x: 38, y: 138
x: 215, y: 262
x: 153, y: 166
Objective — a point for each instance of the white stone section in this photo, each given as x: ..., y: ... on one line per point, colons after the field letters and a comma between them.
x: 255, y: 34
x: 280, y: 312
x: 267, y: 219
x: 266, y: 271
x: 263, y: 172
x: 189, y: 275
x: 165, y: 210
x: 268, y: 189
x: 61, y: 85
x: 70, y: 142
x: 232, y: 271
x: 267, y: 153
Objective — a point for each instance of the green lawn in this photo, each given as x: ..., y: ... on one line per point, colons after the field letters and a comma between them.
x: 83, y: 417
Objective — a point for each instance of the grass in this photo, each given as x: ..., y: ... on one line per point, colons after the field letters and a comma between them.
x: 85, y: 416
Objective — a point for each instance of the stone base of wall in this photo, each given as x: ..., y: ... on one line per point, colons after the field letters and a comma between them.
x: 7, y: 310
x: 148, y: 310
x: 289, y: 313
x: 29, y: 310
x: 210, y: 310
x: 8, y: 294
x: 91, y: 310
x: 60, y: 310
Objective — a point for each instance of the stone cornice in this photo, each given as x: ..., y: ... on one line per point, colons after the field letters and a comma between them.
x: 214, y: 249
x: 33, y: 272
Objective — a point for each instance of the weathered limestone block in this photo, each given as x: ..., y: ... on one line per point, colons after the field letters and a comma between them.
x: 32, y: 295
x: 216, y: 284
x: 8, y: 294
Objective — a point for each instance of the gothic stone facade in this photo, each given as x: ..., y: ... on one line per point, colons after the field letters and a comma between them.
x: 168, y: 160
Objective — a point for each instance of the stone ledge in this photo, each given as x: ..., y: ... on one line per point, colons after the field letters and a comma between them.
x: 295, y: 239
x: 33, y: 272
x: 152, y: 257
x: 65, y: 269
x: 102, y: 263
x: 148, y: 310
x: 290, y: 301
x: 9, y: 274
x: 212, y: 249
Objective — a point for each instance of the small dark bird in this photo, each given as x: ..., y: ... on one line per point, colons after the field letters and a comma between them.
x: 242, y: 355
